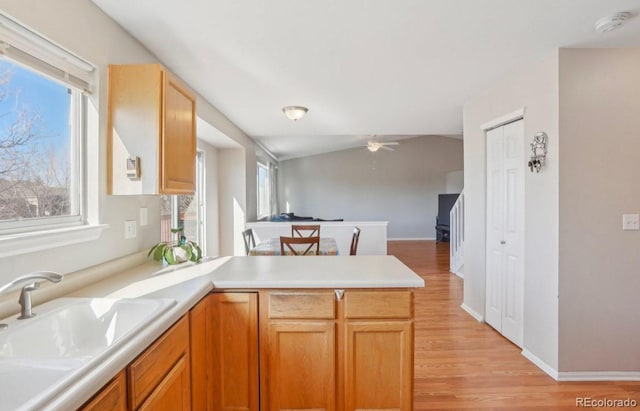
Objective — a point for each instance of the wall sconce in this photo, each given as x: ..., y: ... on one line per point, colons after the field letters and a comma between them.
x: 539, y: 149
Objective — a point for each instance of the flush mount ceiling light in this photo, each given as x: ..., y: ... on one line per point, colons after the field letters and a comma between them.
x: 295, y: 112
x: 612, y: 22
x: 374, y: 146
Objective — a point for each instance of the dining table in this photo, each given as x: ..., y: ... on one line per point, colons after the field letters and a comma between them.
x: 271, y: 246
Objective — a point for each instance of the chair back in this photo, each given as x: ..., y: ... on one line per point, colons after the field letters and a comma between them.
x: 299, y: 245
x: 354, y: 241
x: 249, y: 240
x: 305, y: 230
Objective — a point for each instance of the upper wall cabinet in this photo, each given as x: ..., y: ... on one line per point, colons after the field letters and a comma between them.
x: 151, y: 137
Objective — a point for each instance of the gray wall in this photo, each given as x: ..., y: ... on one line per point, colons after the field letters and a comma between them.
x: 599, y: 175
x: 400, y: 187
x: 536, y: 90
x: 581, y: 269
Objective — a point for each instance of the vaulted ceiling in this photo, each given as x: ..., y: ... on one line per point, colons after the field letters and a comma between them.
x: 388, y: 68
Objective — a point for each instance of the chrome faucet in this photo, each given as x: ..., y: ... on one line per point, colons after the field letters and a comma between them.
x: 25, y: 295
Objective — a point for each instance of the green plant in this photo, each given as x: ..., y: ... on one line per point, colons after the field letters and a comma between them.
x: 175, y: 252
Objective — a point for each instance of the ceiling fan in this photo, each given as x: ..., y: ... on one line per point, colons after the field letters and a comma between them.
x: 375, y: 146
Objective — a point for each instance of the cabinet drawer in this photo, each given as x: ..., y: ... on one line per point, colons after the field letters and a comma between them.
x: 151, y: 367
x: 173, y: 392
x: 302, y: 305
x: 378, y: 304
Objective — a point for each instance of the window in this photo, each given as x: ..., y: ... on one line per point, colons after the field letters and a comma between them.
x: 42, y: 112
x: 186, y: 211
x: 264, y: 190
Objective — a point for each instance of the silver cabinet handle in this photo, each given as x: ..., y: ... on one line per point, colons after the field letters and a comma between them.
x: 339, y: 294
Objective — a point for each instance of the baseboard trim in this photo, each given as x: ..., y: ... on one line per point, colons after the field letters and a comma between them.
x: 599, y: 376
x: 549, y: 370
x: 411, y: 239
x: 471, y: 312
x: 458, y: 273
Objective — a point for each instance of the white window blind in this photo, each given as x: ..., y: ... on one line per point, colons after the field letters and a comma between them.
x: 25, y: 46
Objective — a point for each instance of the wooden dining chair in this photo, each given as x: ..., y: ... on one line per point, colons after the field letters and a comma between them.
x: 302, y: 230
x: 354, y: 241
x: 249, y: 240
x: 296, y: 245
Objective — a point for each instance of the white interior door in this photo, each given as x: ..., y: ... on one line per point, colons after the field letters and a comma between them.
x: 504, y: 307
x: 495, y: 249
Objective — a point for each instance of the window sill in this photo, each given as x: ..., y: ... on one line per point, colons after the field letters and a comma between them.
x: 22, y: 243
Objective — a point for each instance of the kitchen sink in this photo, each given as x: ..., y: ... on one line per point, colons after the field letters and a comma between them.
x: 77, y: 327
x: 66, y: 338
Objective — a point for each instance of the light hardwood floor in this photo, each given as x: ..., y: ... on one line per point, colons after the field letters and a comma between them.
x: 463, y: 364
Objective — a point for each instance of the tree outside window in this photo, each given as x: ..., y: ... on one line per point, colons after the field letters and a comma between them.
x: 39, y: 158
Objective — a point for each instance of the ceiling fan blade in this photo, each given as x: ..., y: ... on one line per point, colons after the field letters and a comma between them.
x: 388, y: 148
x: 390, y: 143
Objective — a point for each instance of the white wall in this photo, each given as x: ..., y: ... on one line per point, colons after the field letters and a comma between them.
x: 535, y: 89
x: 214, y: 117
x: 455, y: 181
x: 82, y: 28
x: 232, y: 200
x: 400, y: 187
x: 599, y: 180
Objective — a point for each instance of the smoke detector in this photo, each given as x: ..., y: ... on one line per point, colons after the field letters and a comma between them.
x: 612, y: 22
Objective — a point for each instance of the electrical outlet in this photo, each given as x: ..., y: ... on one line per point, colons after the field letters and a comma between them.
x: 130, y: 229
x: 631, y: 221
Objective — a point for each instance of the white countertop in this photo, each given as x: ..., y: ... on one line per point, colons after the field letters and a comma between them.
x: 188, y: 283
x: 374, y: 271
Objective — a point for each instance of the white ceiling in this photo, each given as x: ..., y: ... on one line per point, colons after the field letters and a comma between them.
x: 392, y: 68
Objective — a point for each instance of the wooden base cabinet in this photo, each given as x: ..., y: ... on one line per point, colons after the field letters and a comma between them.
x: 276, y: 350
x: 378, y: 350
x: 348, y: 350
x: 113, y: 397
x: 298, y: 348
x: 224, y: 343
x: 235, y: 351
x: 159, y: 379
x: 378, y: 365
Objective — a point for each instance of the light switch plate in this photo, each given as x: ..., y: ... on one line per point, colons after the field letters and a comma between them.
x: 130, y: 229
x: 631, y: 221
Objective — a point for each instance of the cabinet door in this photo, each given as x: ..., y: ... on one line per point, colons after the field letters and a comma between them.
x: 378, y: 362
x: 174, y: 391
x: 113, y: 397
x: 200, y: 326
x: 234, y: 348
x: 301, y: 366
x: 298, y: 350
x: 178, y: 141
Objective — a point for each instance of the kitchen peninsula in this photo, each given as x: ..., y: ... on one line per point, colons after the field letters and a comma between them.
x: 255, y: 332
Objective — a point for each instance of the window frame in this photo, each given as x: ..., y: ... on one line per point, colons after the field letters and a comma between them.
x: 267, y: 189
x: 199, y: 198
x: 28, y: 48
x: 78, y: 168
